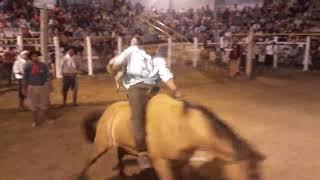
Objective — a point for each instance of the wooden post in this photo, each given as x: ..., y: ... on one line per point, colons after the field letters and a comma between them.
x: 275, y: 52
x: 44, y: 34
x: 57, y: 56
x: 169, y: 58
x: 89, y: 54
x: 306, y: 60
x: 195, y: 52
x: 250, y: 46
x: 20, y: 43
x: 119, y: 45
x: 170, y: 5
x: 37, y: 44
x: 195, y: 43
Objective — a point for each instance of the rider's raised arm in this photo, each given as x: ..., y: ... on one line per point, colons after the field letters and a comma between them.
x: 121, y: 60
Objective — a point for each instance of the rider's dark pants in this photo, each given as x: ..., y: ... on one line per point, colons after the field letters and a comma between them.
x: 139, y: 96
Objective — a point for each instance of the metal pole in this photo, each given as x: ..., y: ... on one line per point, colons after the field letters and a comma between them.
x: 44, y: 34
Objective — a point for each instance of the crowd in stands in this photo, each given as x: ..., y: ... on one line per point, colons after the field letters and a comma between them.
x: 78, y: 21
x: 72, y: 21
x: 121, y: 19
x: 270, y: 18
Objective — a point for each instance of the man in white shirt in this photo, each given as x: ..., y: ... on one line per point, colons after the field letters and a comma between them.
x: 269, y: 54
x: 69, y: 70
x: 18, y: 70
x: 141, y: 74
x: 118, y: 76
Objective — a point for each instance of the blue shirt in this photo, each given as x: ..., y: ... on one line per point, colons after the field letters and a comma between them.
x: 139, y: 67
x: 36, y: 80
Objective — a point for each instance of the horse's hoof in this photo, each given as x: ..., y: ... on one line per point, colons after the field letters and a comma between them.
x: 83, y: 177
x: 122, y: 174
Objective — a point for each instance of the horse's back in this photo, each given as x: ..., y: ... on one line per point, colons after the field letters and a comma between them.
x: 167, y: 132
x: 105, y: 127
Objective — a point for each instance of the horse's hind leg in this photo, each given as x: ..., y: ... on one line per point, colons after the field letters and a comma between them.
x: 96, y: 155
x: 121, y: 154
x: 163, y: 169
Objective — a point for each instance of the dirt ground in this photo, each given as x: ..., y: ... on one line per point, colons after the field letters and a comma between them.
x: 280, y: 116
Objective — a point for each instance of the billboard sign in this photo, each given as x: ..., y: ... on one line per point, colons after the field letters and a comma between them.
x: 44, y: 4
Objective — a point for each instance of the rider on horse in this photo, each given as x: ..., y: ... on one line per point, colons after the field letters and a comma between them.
x: 141, y: 74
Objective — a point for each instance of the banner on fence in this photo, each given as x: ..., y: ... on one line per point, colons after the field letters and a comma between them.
x: 44, y: 4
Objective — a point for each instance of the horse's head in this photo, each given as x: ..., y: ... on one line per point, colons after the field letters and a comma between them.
x: 247, y: 169
x: 240, y: 160
x: 254, y: 166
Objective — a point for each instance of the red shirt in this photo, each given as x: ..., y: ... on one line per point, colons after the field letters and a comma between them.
x: 9, y: 57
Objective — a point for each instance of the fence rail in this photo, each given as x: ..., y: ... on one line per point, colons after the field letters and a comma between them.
x: 20, y: 42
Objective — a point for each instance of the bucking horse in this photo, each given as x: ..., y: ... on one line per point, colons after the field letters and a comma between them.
x: 175, y: 130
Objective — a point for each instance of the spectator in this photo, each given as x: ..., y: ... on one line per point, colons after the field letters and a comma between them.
x: 18, y: 70
x: 269, y: 54
x: 36, y: 88
x: 9, y: 58
x: 204, y: 56
x: 234, y: 63
x: 70, y: 68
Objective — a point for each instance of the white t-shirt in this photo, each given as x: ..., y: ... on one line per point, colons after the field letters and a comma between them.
x: 138, y: 67
x: 270, y: 49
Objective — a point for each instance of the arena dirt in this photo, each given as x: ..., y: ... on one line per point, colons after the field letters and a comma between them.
x: 281, y: 119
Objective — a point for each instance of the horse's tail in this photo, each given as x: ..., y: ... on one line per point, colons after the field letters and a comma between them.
x: 90, y: 122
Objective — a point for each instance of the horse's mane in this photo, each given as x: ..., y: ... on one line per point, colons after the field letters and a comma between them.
x: 222, y: 130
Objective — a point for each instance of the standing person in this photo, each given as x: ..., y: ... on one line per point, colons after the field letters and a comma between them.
x: 141, y: 74
x: 36, y: 87
x: 234, y: 64
x: 119, y: 75
x: 18, y: 70
x: 269, y: 54
x: 9, y: 58
x: 205, y: 56
x: 70, y: 69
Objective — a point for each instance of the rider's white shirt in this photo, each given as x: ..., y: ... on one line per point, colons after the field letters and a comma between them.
x: 138, y: 67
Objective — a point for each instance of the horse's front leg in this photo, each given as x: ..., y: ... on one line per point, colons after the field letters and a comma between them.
x: 236, y: 171
x: 163, y: 169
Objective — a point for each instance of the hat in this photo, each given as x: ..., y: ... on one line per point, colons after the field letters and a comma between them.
x: 23, y: 52
x: 162, y: 50
x: 38, y: 53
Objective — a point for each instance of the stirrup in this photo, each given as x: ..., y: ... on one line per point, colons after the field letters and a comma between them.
x: 144, y: 161
x: 144, y: 153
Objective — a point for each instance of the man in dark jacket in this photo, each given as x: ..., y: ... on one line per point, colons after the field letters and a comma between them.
x: 36, y: 86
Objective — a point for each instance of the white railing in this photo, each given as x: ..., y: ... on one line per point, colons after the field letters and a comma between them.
x: 192, y: 47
